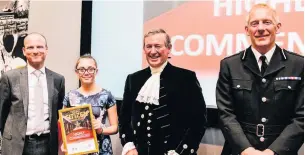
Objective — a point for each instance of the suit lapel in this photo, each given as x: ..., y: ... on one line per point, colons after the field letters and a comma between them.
x: 50, y: 83
x: 24, y: 86
x: 276, y: 62
x: 250, y: 62
x: 165, y: 81
x: 166, y: 70
x: 166, y: 76
x: 141, y: 79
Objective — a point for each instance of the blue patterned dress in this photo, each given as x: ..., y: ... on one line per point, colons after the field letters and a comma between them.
x: 100, y: 102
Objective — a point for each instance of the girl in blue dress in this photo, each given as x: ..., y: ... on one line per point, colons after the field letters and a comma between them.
x: 102, y: 102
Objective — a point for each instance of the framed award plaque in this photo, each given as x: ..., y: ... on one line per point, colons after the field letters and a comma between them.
x: 77, y: 131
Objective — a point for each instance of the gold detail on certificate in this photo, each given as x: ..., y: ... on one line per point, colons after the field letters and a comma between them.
x: 77, y: 114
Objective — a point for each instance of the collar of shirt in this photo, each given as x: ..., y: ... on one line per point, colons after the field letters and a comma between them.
x: 32, y: 69
x: 268, y: 54
x: 158, y: 69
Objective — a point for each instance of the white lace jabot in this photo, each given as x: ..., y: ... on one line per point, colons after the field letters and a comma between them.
x: 149, y: 92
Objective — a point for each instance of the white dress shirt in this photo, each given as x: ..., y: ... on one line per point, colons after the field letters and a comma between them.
x: 268, y: 56
x: 32, y: 80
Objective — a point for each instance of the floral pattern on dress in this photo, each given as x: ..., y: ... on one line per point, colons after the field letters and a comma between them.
x: 99, y: 102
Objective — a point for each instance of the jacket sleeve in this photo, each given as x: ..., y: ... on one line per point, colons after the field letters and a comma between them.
x: 291, y: 138
x: 230, y: 127
x: 61, y: 94
x: 4, y: 100
x: 196, y: 116
x: 125, y: 129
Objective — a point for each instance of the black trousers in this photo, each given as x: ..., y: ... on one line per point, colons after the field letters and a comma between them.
x: 37, y: 145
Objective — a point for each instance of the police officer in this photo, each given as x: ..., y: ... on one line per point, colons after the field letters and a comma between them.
x: 260, y: 92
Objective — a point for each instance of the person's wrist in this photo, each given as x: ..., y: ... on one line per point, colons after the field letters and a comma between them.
x: 100, y: 130
x: 172, y: 152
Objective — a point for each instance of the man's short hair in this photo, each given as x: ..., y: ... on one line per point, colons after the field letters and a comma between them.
x: 167, y: 43
x: 262, y: 5
x: 36, y: 33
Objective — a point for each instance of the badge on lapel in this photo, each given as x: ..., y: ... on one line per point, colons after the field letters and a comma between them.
x: 288, y: 78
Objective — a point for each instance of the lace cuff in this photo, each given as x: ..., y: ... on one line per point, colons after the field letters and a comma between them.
x: 127, y: 147
x: 172, y: 152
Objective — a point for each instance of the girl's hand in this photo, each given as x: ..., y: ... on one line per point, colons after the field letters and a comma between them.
x: 97, y: 125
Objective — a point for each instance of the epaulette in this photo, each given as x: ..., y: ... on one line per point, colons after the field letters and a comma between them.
x: 236, y: 54
x: 294, y: 53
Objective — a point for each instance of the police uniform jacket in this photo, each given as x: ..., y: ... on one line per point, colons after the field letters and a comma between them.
x: 262, y: 111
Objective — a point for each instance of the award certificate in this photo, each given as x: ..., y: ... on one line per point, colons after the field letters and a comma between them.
x: 78, y: 135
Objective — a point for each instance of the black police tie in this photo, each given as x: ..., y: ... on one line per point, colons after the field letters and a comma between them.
x: 264, y: 64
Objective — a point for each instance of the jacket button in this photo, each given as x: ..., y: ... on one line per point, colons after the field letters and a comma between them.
x: 238, y: 86
x: 264, y: 119
x: 146, y: 107
x: 185, y: 146
x: 264, y: 80
x: 138, y: 123
x: 123, y: 135
x: 148, y: 128
x: 289, y: 87
x: 142, y: 116
x: 149, y: 135
x: 192, y: 151
x: 264, y: 99
x: 262, y: 139
x: 149, y: 121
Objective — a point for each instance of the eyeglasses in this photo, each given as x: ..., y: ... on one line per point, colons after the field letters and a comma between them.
x: 83, y: 70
